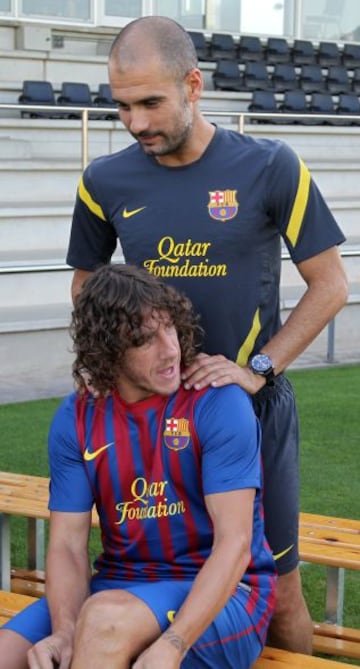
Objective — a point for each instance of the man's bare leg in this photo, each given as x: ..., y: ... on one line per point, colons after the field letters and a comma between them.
x: 114, y: 627
x: 14, y: 648
x: 291, y: 627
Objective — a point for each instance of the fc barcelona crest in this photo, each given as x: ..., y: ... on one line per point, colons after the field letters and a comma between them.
x: 176, y: 433
x: 223, y: 205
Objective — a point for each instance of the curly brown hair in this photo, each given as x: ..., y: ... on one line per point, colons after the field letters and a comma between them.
x: 108, y: 319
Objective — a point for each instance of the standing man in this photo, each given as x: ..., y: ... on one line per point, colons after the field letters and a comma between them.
x: 206, y: 209
x: 186, y: 576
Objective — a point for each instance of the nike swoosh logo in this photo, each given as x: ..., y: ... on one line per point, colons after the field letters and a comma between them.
x: 280, y: 555
x: 91, y: 456
x: 132, y: 212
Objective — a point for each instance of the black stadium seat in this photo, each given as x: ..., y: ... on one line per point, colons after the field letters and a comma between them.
x: 104, y: 99
x: 294, y: 102
x: 311, y: 79
x: 284, y: 77
x: 37, y: 93
x: 323, y: 103
x: 355, y: 82
x: 328, y: 53
x: 222, y: 47
x: 350, y: 56
x: 200, y: 44
x: 227, y: 76
x: 75, y: 94
x: 264, y: 101
x: 277, y: 50
x: 256, y: 77
x: 303, y: 52
x: 349, y: 104
x: 337, y: 80
x: 250, y: 49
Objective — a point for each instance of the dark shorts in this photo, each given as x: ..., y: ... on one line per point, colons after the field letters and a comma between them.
x: 230, y: 641
x: 276, y: 410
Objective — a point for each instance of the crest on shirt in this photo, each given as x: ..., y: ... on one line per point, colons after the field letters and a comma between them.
x: 176, y: 433
x: 223, y: 204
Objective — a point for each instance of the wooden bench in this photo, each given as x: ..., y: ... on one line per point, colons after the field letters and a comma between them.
x: 329, y: 541
x: 271, y: 658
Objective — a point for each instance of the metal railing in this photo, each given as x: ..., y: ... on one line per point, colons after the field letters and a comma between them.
x: 241, y: 116
x: 85, y: 114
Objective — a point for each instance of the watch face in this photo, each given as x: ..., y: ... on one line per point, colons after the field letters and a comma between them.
x: 261, y: 363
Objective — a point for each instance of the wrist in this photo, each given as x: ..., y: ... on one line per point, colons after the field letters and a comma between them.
x: 176, y: 641
x: 262, y: 366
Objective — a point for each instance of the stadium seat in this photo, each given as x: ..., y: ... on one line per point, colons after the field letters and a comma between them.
x: 104, y: 99
x: 284, y: 77
x: 323, y: 103
x: 256, y: 77
x: 311, y: 79
x: 277, y: 50
x: 355, y: 82
x: 294, y: 102
x: 222, y: 47
x: 303, y: 52
x: 75, y: 94
x: 200, y: 44
x: 227, y: 76
x: 328, y: 53
x: 349, y: 105
x: 350, y: 56
x: 263, y: 101
x: 37, y: 93
x: 250, y: 49
x: 337, y: 80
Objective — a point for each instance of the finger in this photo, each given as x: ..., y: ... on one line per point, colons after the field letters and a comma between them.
x: 200, y: 360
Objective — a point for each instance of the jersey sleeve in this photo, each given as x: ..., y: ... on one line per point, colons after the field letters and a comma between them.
x: 69, y: 486
x: 229, y: 434
x: 297, y: 207
x: 92, y: 238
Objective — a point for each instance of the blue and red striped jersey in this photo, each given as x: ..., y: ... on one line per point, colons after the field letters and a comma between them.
x: 147, y: 466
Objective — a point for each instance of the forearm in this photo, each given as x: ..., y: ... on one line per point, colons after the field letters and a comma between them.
x: 67, y: 587
x: 211, y: 590
x: 314, y: 311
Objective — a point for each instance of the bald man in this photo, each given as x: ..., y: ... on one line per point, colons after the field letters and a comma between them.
x: 205, y: 209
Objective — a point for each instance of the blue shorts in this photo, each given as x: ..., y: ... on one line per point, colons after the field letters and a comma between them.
x: 230, y: 641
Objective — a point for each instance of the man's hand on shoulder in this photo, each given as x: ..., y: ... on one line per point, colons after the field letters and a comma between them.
x: 216, y: 371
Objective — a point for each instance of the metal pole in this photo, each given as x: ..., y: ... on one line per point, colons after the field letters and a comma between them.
x: 241, y: 123
x: 84, y: 138
x: 330, y: 355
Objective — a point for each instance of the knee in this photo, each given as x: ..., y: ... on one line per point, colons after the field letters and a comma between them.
x: 289, y: 595
x: 103, y: 614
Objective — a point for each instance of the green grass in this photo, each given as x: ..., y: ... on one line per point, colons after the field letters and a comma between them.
x: 328, y: 402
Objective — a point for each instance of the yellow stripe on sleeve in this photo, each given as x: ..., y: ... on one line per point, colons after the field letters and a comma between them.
x: 248, y: 345
x: 297, y: 214
x: 90, y: 203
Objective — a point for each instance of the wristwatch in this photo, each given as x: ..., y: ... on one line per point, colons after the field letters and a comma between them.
x: 262, y: 365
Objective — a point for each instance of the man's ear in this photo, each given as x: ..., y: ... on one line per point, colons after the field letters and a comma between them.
x: 194, y: 82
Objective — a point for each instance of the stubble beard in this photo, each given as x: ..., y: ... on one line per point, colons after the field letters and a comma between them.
x: 173, y: 142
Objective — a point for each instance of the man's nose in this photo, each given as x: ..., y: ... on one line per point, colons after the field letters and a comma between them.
x: 169, y: 345
x: 138, y: 121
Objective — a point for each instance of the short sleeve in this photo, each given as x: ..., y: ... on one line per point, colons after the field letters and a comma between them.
x: 69, y: 485
x: 229, y: 434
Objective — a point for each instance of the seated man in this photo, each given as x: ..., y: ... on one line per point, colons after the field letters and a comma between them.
x: 186, y: 577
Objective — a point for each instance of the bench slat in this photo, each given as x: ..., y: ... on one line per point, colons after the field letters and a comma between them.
x: 331, y: 646
x: 274, y: 658
x: 341, y: 524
